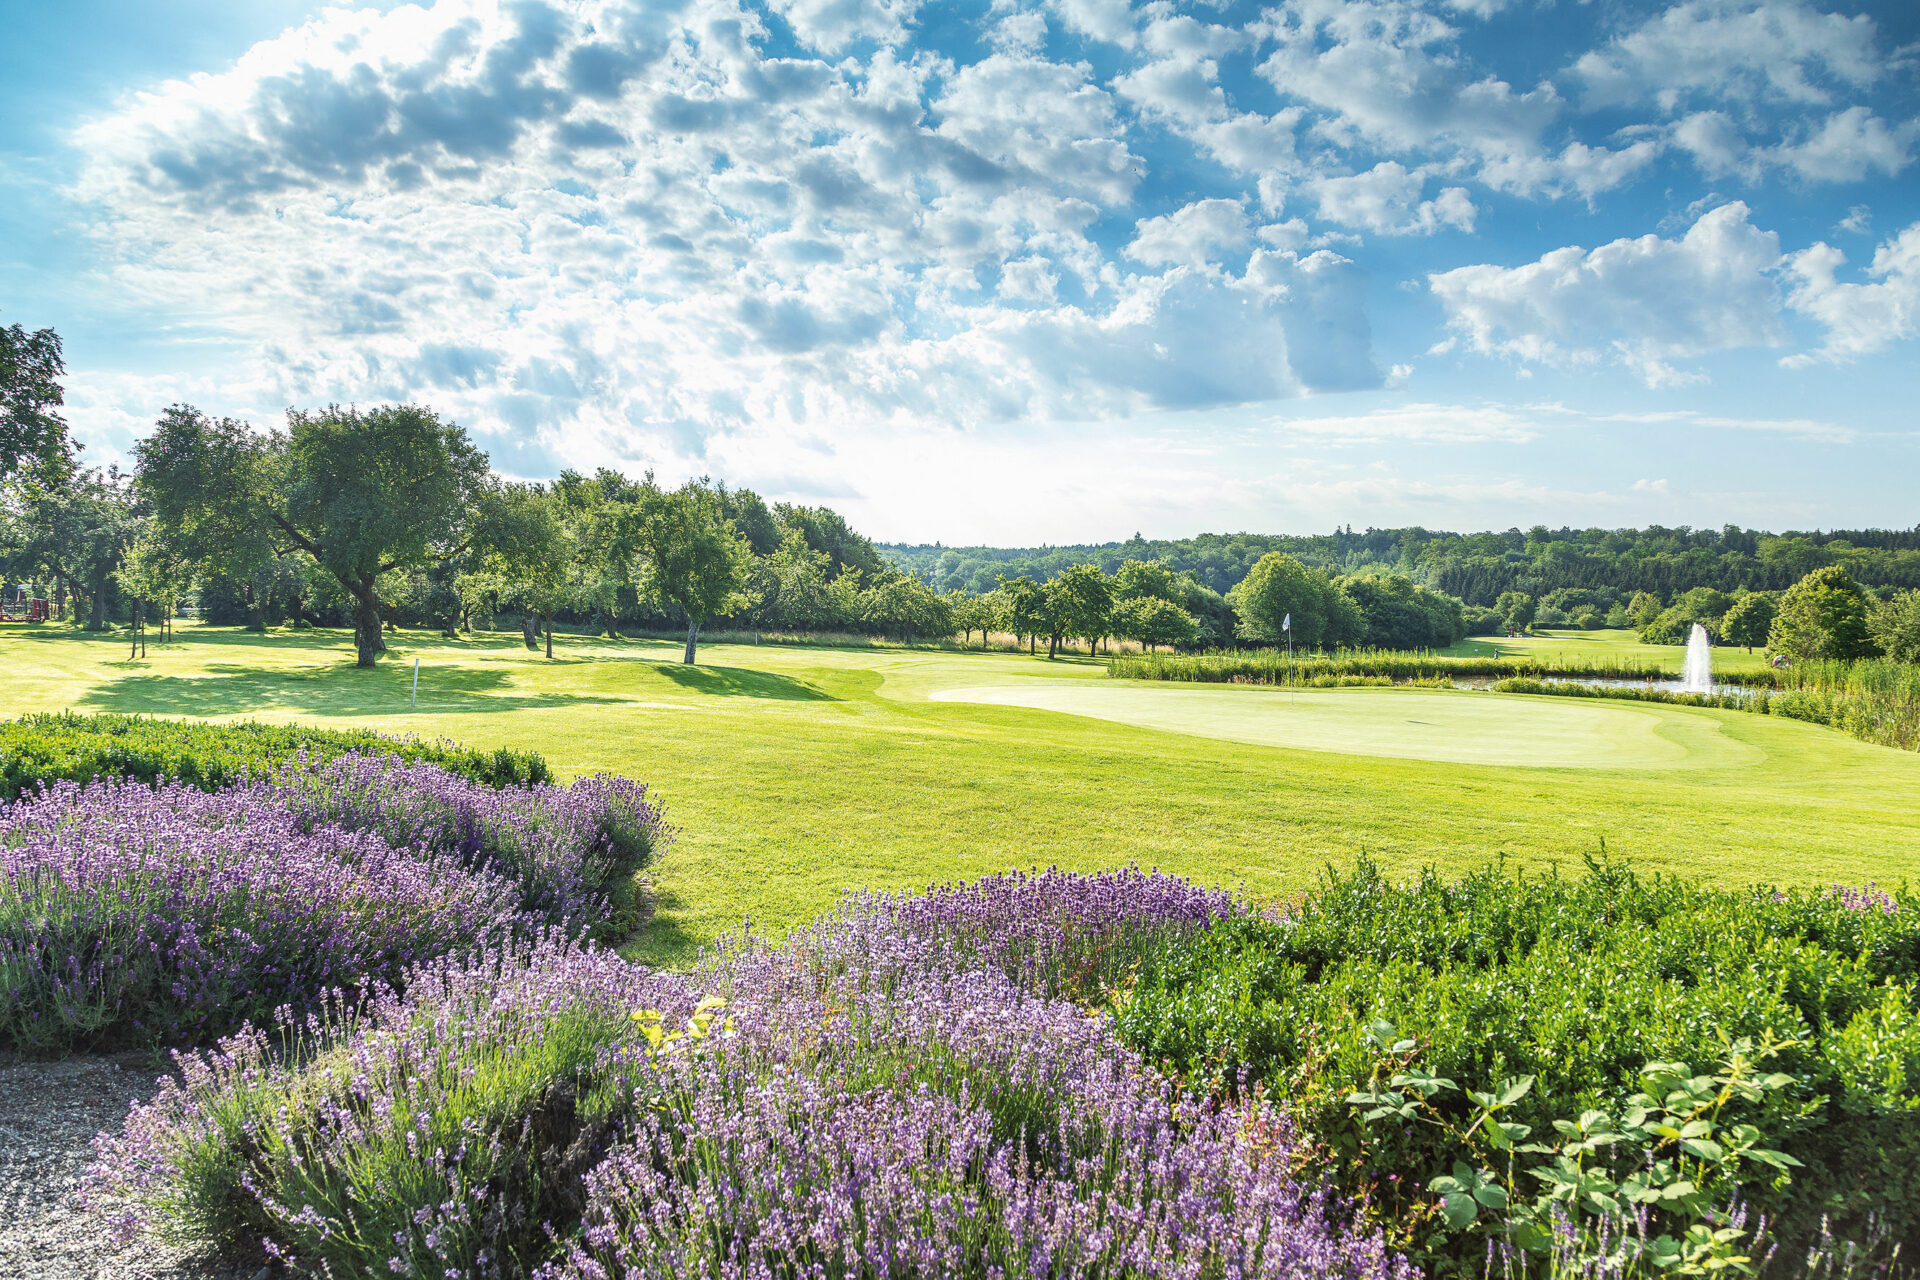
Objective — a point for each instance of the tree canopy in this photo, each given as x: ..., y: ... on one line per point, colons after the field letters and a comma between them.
x: 32, y: 432
x: 360, y: 492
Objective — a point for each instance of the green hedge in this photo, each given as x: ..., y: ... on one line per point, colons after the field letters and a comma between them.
x: 47, y: 748
x: 1578, y: 983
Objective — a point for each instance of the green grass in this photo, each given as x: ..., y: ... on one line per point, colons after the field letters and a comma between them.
x: 798, y: 772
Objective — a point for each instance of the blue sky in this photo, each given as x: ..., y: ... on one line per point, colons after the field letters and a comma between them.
x: 1011, y: 273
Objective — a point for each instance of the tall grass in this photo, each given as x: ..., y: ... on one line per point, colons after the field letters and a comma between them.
x: 1873, y: 699
x: 1272, y: 666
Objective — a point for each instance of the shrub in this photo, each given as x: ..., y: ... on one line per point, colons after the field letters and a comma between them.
x: 1580, y: 985
x: 80, y: 748
x: 425, y: 1135
x: 140, y: 915
x: 876, y: 1096
x: 571, y: 850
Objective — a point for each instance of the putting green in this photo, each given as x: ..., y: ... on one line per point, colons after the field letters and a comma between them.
x: 1406, y: 724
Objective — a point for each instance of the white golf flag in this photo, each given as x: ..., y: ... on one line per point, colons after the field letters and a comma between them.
x: 1286, y: 623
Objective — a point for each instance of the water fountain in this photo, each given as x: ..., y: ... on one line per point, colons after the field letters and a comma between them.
x: 1699, y: 676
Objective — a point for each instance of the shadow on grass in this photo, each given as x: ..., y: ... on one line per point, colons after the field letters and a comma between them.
x: 661, y: 940
x: 738, y: 682
x: 340, y: 690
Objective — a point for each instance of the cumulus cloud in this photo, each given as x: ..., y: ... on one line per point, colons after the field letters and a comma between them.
x: 1848, y: 146
x: 1190, y: 236
x: 1732, y: 51
x: 1390, y: 72
x: 832, y: 25
x: 1860, y: 318
x: 1643, y: 302
x: 1386, y: 199
x: 649, y: 231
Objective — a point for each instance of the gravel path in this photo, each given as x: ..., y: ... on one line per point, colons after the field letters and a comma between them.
x: 49, y: 1114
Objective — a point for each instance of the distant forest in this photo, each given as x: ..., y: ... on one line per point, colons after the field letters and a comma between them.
x: 1477, y: 568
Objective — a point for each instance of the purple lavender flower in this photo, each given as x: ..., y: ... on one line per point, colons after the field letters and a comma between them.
x: 131, y: 913
x: 566, y: 847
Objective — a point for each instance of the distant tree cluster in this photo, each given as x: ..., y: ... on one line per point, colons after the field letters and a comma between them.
x: 1581, y: 573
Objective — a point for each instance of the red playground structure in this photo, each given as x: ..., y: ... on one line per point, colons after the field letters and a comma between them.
x: 21, y: 605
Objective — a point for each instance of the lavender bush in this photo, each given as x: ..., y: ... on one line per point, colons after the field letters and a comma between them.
x: 135, y: 914
x: 430, y: 1134
x: 571, y: 850
x: 1053, y: 933
x: 889, y: 1093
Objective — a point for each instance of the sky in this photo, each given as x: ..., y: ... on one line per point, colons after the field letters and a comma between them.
x: 1011, y: 273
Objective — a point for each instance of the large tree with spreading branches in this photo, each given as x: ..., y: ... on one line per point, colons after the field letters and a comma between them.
x: 360, y: 492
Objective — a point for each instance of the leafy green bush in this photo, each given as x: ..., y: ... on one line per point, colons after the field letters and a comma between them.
x: 1584, y: 986
x: 78, y: 748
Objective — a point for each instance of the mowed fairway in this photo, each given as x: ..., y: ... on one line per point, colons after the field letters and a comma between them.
x: 798, y: 773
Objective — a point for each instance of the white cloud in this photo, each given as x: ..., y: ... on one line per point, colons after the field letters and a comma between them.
x: 832, y: 25
x: 1643, y: 302
x: 646, y: 232
x: 1191, y: 236
x: 1109, y: 20
x: 1848, y: 146
x: 1417, y: 423
x: 1732, y: 51
x: 1390, y: 74
x: 1386, y: 199
x: 1859, y: 318
x: 1577, y: 170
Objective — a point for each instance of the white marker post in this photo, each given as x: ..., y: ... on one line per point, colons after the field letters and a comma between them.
x: 414, y: 701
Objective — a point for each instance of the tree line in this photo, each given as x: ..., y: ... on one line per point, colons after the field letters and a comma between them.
x: 1476, y: 568
x: 391, y: 516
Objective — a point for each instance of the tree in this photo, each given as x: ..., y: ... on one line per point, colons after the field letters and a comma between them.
x: 903, y: 607
x: 1135, y: 579
x: 971, y: 614
x: 531, y: 551
x: 155, y: 571
x: 1749, y: 619
x: 791, y: 590
x: 1154, y: 622
x: 1518, y: 609
x: 77, y: 534
x: 1079, y: 602
x: 691, y: 556
x: 1279, y: 587
x: 32, y: 433
x: 1643, y: 608
x: 1824, y: 615
x: 361, y: 493
x: 1025, y: 607
x: 1894, y: 626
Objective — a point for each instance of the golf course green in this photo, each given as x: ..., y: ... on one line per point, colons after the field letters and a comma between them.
x: 797, y: 773
x: 1408, y: 724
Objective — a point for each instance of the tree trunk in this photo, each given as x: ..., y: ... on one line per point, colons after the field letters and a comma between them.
x: 97, y: 607
x: 526, y: 631
x: 547, y: 625
x: 1053, y: 646
x: 693, y: 639
x: 1030, y: 642
x: 367, y: 643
